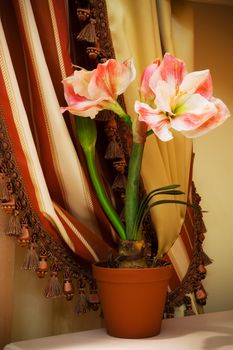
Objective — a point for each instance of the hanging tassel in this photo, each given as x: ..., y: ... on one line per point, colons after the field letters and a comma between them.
x: 24, y: 237
x: 68, y: 287
x: 93, y: 298
x: 88, y: 33
x: 113, y: 150
x: 111, y: 128
x: 82, y: 305
x: 54, y: 288
x: 205, y: 259
x: 119, y: 182
x: 188, y: 304
x: 119, y: 166
x: 43, y: 264
x: 200, y: 295
x: 31, y: 261
x: 14, y: 225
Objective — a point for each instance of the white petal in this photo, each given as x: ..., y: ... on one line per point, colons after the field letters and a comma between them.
x: 194, y: 111
x: 158, y: 122
x: 219, y: 118
x: 162, y: 131
x: 164, y: 94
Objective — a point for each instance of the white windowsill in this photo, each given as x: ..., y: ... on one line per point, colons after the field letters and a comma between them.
x: 207, y: 332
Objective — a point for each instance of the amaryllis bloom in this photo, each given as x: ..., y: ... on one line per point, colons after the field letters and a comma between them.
x: 181, y: 101
x: 88, y: 92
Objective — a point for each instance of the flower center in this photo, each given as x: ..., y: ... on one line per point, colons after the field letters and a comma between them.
x: 170, y: 115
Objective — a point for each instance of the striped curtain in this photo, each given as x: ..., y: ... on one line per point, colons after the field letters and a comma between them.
x: 53, y: 179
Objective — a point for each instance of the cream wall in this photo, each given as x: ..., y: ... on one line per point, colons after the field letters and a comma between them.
x: 34, y: 316
x: 213, y: 170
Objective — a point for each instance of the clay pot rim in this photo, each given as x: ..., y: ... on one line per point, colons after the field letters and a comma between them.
x: 101, y: 264
x: 144, y: 274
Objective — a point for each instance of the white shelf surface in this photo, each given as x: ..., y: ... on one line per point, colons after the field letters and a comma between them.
x: 211, y: 331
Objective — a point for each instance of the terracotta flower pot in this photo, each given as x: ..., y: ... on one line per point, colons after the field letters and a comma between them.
x: 132, y: 299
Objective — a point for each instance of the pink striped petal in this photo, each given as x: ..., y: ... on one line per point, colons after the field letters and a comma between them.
x: 84, y: 108
x: 222, y: 109
x: 79, y: 105
x: 172, y: 70
x: 111, y: 79
x: 192, y: 112
x: 159, y: 123
x: 84, y: 111
x: 219, y: 118
x: 198, y: 82
x: 146, y: 93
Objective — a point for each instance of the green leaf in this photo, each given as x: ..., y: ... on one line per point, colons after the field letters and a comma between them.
x: 162, y: 201
x: 168, y: 187
x: 161, y: 190
x: 166, y: 190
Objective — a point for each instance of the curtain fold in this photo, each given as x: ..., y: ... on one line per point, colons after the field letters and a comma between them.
x: 171, y: 161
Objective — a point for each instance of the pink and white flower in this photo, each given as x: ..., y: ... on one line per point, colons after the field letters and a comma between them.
x: 88, y: 92
x: 175, y: 99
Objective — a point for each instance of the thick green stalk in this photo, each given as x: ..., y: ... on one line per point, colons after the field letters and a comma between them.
x: 132, y: 189
x: 86, y: 131
x: 149, y: 132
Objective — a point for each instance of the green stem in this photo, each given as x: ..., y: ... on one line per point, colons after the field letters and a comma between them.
x: 149, y: 132
x: 104, y: 201
x: 86, y: 131
x: 132, y: 189
x: 116, y: 108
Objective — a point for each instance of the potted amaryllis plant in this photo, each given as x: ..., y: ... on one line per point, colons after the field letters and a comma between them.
x: 169, y: 98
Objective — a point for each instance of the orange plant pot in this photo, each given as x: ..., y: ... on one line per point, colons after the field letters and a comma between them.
x: 132, y: 299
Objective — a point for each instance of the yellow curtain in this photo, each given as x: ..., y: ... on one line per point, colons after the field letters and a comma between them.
x: 137, y: 32
x: 144, y: 30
